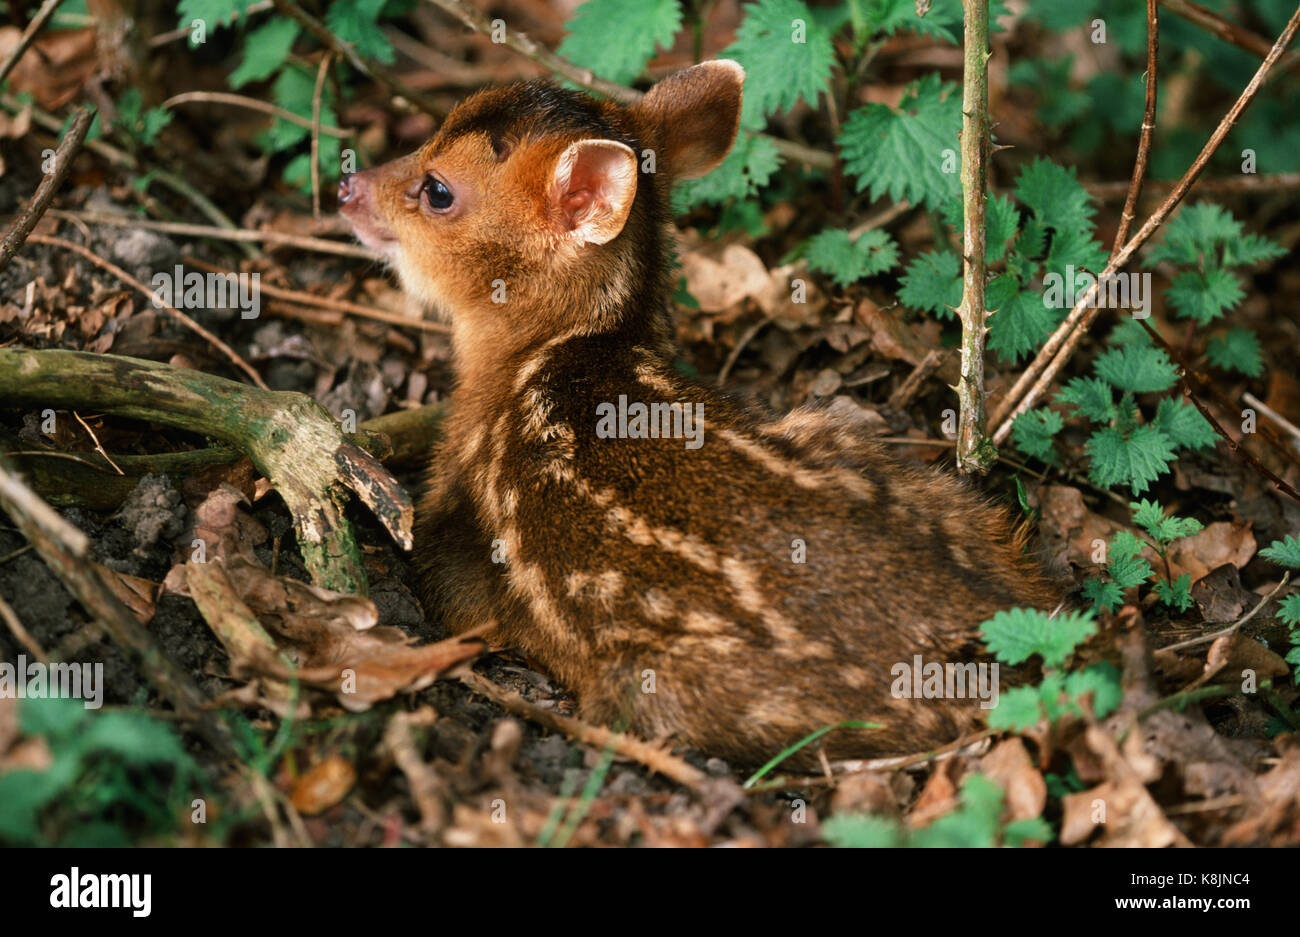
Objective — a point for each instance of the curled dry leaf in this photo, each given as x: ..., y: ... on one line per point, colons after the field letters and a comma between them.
x: 323, y: 786
x: 1219, y: 543
x: 1274, y: 816
x: 1011, y: 767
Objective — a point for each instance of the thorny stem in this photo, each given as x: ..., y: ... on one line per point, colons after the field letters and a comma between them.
x: 1048, y: 362
x: 974, y: 452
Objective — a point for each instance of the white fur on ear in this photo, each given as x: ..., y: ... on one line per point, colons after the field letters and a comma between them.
x: 592, y: 190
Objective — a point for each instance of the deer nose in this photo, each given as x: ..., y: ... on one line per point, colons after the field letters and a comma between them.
x: 348, y: 187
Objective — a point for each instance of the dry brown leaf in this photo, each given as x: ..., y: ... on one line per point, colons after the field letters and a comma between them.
x: 1011, y: 767
x: 1219, y: 543
x: 720, y: 281
x: 323, y: 786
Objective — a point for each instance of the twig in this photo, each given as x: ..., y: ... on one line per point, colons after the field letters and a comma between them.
x: 1212, y: 23
x: 50, y: 183
x: 1246, y: 183
x: 557, y: 64
x: 372, y: 70
x: 911, y: 386
x: 67, y: 552
x: 10, y: 618
x: 38, y: 22
x: 181, y: 317
x: 98, y: 445
x: 974, y: 453
x: 1273, y: 415
x: 1048, y: 362
x: 1206, y: 638
x: 315, y: 132
x: 744, y: 340
x: 1148, y: 128
x: 252, y: 104
x: 1237, y: 448
x: 319, y: 245
x: 654, y: 757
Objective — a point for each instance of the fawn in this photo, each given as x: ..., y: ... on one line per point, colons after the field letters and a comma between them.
x: 691, y: 566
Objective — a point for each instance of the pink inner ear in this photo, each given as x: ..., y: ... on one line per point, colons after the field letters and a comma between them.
x: 592, y: 187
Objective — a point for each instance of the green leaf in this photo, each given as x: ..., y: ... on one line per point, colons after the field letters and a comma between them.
x: 748, y: 166
x: 787, y: 56
x: 1150, y: 516
x: 265, y: 50
x: 357, y: 22
x: 972, y: 826
x: 615, y: 38
x: 901, y: 153
x: 1014, y: 635
x: 1206, y: 296
x: 1018, y: 832
x: 1198, y: 232
x: 1284, y: 552
x: 1125, y: 544
x: 56, y: 718
x: 1237, y: 350
x: 1136, y: 461
x: 1054, y: 194
x: 1018, y: 709
x: 847, y: 261
x: 1177, y: 594
x: 859, y: 831
x: 1049, y: 79
x: 213, y: 13
x: 1032, y: 433
x: 1078, y: 249
x: 1092, y: 396
x: 1127, y: 572
x: 1021, y: 325
x: 23, y: 794
x: 1101, y: 594
x: 1288, y: 610
x: 1103, y: 681
x: 1141, y: 369
x: 932, y: 283
x: 1183, y: 423
x: 890, y: 16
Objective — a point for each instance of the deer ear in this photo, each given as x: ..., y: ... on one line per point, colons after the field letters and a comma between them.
x: 694, y: 115
x: 592, y: 190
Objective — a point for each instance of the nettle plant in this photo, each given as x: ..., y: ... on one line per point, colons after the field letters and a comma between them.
x: 1286, y: 552
x: 1126, y: 567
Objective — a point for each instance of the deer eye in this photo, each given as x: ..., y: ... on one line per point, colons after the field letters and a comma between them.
x: 437, y: 193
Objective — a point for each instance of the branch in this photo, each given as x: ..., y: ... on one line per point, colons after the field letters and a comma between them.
x: 559, y: 65
x: 372, y: 70
x: 974, y: 453
x: 1045, y: 366
x: 63, y: 157
x: 1213, y: 23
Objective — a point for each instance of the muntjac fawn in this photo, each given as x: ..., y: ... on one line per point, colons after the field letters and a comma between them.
x: 691, y: 566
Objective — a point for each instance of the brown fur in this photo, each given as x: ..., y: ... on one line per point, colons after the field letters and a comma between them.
x: 608, y: 558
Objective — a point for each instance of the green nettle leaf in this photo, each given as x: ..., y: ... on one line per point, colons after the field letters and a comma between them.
x: 1092, y: 396
x: 748, y: 166
x: 1032, y: 433
x: 1198, y: 232
x: 1021, y: 324
x: 1105, y: 595
x: 1284, y: 552
x: 861, y: 831
x: 1059, y: 104
x: 1102, y: 680
x: 357, y: 22
x: 1177, y: 594
x: 833, y: 251
x: 1237, y: 350
x: 1014, y: 635
x: 1126, y: 544
x: 901, y: 153
x: 932, y: 283
x: 787, y: 56
x: 1183, y: 423
x: 1288, y: 610
x: 890, y: 16
x: 265, y: 50
x: 1150, y: 516
x: 1018, y: 832
x: 293, y: 90
x: 1075, y: 248
x: 212, y: 13
x: 615, y: 38
x: 1204, y: 296
x: 137, y: 739
x: 1141, y: 369
x: 1127, y: 572
x: 1137, y: 460
x: 1018, y: 708
x: 1055, y: 196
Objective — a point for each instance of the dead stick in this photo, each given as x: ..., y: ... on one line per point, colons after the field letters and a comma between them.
x: 63, y: 157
